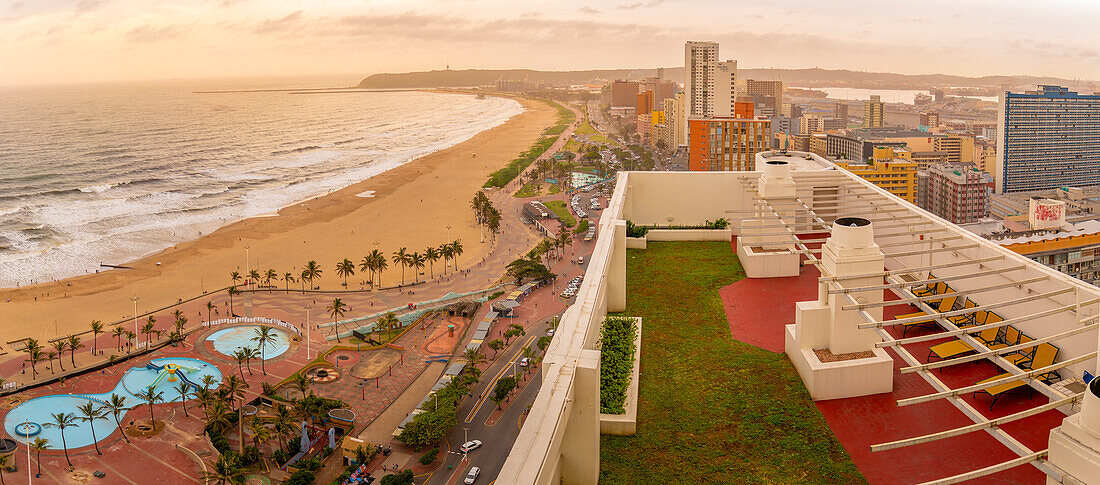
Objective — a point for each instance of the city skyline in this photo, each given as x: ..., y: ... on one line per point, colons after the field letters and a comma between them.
x: 61, y: 41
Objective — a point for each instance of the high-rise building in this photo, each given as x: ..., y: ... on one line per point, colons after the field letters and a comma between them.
x: 840, y: 111
x: 897, y: 175
x: 874, y: 111
x: 700, y: 62
x: 768, y: 89
x: 925, y: 159
x: 1047, y: 139
x: 950, y: 146
x: 624, y: 94
x: 718, y: 144
x: 811, y: 124
x: 675, y: 133
x: 645, y: 103
x: 725, y: 88
x: 957, y: 193
x: 930, y: 120
x: 662, y: 90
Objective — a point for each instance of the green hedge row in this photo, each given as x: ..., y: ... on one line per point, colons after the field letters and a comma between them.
x: 616, y: 362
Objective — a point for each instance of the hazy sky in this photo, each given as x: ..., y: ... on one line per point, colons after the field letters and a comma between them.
x: 51, y: 41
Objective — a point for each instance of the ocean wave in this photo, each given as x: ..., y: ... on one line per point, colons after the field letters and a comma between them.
x: 296, y: 150
x: 97, y: 189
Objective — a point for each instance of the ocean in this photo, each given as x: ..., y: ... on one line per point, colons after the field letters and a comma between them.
x: 105, y: 174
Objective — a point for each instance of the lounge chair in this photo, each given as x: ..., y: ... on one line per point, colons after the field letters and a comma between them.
x: 946, y: 304
x: 1022, y: 356
x: 1044, y: 356
x: 930, y: 288
x: 905, y: 327
x: 1010, y: 337
x: 956, y: 348
x: 966, y: 319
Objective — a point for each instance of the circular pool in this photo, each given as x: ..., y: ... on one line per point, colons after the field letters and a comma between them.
x: 31, y: 419
x: 228, y: 341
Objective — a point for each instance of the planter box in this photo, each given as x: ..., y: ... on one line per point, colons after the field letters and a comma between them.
x: 627, y: 423
x: 679, y: 235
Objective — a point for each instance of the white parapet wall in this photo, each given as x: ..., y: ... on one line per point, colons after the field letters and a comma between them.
x: 627, y: 423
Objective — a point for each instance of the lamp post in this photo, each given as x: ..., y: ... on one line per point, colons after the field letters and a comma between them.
x: 21, y: 425
x: 308, y: 307
x: 135, y: 300
x: 246, y: 268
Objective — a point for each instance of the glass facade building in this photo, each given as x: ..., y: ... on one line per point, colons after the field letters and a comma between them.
x: 1049, y: 138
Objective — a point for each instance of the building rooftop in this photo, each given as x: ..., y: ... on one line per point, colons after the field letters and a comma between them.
x: 868, y: 286
x: 798, y: 161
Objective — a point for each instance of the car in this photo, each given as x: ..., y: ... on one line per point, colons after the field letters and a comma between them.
x: 470, y: 446
x: 472, y: 476
x: 524, y: 361
x: 550, y: 332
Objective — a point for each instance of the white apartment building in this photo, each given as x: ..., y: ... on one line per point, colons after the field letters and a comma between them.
x: 700, y: 63
x: 725, y: 88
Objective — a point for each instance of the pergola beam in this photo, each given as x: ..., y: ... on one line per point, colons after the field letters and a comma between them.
x: 940, y: 296
x: 964, y: 311
x: 1004, y: 380
x: 887, y: 286
x: 979, y: 328
x: 913, y: 270
x: 989, y: 470
x: 1000, y: 351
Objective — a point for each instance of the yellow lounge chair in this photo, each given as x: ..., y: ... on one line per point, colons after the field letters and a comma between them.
x: 948, y: 350
x: 966, y: 319
x: 905, y: 327
x: 1022, y: 356
x: 1011, y: 337
x: 1001, y: 389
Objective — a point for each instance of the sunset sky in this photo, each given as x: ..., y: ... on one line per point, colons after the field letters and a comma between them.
x: 56, y: 41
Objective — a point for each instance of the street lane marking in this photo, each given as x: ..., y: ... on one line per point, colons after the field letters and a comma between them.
x: 492, y: 383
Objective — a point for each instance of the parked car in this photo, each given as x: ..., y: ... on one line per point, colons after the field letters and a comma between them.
x: 472, y: 476
x: 550, y: 332
x: 470, y: 446
x: 524, y: 361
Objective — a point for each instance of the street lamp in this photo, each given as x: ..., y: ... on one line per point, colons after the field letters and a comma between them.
x: 246, y: 248
x: 307, y: 307
x: 135, y: 300
x: 21, y: 425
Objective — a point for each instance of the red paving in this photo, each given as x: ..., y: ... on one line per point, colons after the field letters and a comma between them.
x: 758, y: 309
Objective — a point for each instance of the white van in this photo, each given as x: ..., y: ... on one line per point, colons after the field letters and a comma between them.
x: 580, y: 260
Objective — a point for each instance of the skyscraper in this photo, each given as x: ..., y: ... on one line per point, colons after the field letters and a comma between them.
x: 725, y: 86
x: 873, y: 112
x: 1047, y: 139
x: 767, y: 89
x: 700, y: 61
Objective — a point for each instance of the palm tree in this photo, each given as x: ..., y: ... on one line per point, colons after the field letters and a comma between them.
x: 216, y: 412
x: 204, y: 396
x: 4, y: 463
x: 59, y: 346
x: 288, y: 278
x: 130, y: 337
x: 226, y: 471
x: 34, y: 355
x: 260, y: 433
x: 118, y: 332
x: 448, y: 252
x: 366, y: 265
x: 380, y: 264
x: 232, y: 291
x: 37, y: 447
x: 74, y: 344
x: 416, y: 260
x: 401, y: 257
x: 253, y: 277
x: 456, y: 248
x: 387, y: 322
x: 336, y: 309
x: 345, y: 268
x: 49, y: 357
x: 302, y: 384
x: 62, y: 421
x: 432, y: 255
x: 249, y: 354
x: 235, y: 277
x: 283, y: 422
x: 181, y: 322
x: 184, y: 390
x: 303, y: 278
x: 264, y: 337
x: 150, y: 395
x: 148, y: 330
x: 97, y: 328
x: 90, y: 413
x: 270, y: 275
x: 234, y: 388
x: 313, y: 270
x: 116, y: 405
x: 241, y: 357
x: 474, y: 357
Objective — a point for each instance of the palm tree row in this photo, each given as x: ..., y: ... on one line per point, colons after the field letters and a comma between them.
x: 486, y: 215
x: 36, y: 353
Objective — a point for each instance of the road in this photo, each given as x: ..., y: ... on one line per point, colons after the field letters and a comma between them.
x: 473, y: 414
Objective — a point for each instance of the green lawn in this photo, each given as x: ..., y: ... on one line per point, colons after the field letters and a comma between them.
x: 586, y: 129
x: 712, y: 410
x: 562, y: 211
x: 529, y: 190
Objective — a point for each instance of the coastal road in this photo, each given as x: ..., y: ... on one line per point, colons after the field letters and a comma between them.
x: 474, y: 413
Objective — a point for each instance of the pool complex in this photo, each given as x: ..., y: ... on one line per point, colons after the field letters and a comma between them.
x: 229, y: 340
x: 164, y: 374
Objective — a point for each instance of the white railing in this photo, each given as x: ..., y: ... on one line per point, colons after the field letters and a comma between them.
x: 260, y: 320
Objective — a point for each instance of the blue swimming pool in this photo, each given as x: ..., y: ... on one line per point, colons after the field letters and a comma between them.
x: 29, y: 419
x: 229, y: 340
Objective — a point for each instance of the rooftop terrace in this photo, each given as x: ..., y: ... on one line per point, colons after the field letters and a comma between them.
x: 894, y: 318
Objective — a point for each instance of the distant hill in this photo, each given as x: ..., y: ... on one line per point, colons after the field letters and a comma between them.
x: 792, y: 77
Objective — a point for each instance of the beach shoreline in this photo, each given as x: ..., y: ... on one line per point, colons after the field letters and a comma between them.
x: 410, y: 206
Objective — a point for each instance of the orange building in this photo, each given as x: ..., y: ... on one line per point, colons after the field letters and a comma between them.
x: 717, y: 144
x: 743, y: 110
x: 645, y: 103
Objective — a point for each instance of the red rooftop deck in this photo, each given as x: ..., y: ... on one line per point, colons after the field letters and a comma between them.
x: 758, y: 310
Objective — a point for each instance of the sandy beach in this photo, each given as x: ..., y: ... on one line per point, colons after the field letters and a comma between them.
x: 410, y: 206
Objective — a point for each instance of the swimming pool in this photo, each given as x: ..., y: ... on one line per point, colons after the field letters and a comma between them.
x: 229, y: 340
x: 165, y: 374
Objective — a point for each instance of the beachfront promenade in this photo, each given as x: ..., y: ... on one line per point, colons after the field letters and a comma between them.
x: 391, y: 370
